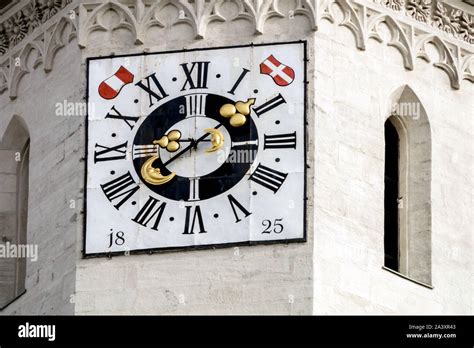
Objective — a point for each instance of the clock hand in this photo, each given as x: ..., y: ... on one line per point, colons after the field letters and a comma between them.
x: 192, y: 140
x: 190, y: 146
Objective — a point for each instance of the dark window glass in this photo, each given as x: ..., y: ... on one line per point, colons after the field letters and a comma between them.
x: 391, y: 221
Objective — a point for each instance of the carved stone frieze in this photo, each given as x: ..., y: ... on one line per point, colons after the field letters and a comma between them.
x: 437, y: 13
x: 39, y: 26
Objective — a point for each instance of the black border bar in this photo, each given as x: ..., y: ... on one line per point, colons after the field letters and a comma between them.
x: 266, y: 330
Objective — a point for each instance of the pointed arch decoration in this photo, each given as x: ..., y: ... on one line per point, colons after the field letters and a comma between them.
x: 14, y: 174
x: 412, y: 210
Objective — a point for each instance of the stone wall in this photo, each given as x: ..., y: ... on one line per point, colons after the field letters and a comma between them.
x: 8, y: 221
x: 56, y: 180
x: 352, y: 100
x: 352, y: 73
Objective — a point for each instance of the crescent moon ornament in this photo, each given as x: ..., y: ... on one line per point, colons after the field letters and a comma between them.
x: 153, y: 175
x: 217, y: 139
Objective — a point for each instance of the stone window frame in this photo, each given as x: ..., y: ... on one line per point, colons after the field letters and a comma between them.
x: 415, y: 146
x: 17, y: 138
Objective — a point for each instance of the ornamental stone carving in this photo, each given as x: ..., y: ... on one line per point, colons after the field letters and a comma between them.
x: 447, y: 19
x: 50, y: 8
x: 436, y: 13
x: 3, y: 40
x: 363, y: 18
x: 36, y: 14
x: 466, y: 28
x: 419, y: 9
x: 38, y: 27
x: 396, y: 5
x: 22, y: 23
x: 17, y: 28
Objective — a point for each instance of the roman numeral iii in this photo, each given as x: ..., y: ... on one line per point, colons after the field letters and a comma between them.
x: 267, y: 177
x: 279, y: 141
x: 195, y: 105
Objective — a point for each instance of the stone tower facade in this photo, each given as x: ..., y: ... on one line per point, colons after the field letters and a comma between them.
x: 410, y: 62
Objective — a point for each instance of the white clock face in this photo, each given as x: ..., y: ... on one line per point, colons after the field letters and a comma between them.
x: 196, y: 148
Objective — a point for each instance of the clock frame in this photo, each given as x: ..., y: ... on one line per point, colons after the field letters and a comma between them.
x: 148, y: 211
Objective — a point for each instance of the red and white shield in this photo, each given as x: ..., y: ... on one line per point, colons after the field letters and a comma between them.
x: 282, y: 74
x: 110, y: 87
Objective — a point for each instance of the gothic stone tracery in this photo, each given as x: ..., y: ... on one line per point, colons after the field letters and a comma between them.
x: 38, y: 28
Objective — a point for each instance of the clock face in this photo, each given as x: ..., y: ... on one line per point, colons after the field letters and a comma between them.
x: 196, y: 148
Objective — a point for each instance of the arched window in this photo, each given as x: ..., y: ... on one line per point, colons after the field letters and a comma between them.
x: 14, y: 174
x: 391, y: 217
x: 407, y: 196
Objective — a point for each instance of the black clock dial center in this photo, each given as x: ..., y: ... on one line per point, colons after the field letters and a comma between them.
x: 202, y: 159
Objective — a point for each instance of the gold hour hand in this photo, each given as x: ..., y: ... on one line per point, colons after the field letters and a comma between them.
x: 217, y: 139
